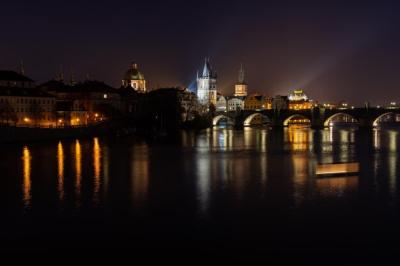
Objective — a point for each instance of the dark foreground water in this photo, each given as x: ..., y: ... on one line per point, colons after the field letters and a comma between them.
x: 218, y: 195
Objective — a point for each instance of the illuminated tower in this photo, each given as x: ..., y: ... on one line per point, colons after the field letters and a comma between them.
x: 135, y: 79
x: 207, y: 85
x: 241, y: 86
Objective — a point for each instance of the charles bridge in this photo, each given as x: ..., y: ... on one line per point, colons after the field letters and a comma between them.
x: 316, y: 117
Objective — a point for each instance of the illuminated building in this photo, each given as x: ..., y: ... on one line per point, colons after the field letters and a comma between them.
x: 267, y: 104
x: 329, y: 105
x: 22, y: 104
x: 241, y: 86
x: 235, y: 104
x: 393, y: 105
x: 254, y: 102
x: 84, y: 103
x: 207, y: 85
x: 135, y: 79
x: 344, y: 106
x: 298, y: 100
x: 221, y: 104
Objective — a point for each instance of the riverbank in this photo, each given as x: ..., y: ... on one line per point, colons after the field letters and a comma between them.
x: 18, y: 134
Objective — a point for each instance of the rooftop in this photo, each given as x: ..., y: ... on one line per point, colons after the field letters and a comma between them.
x: 24, y: 92
x: 82, y: 87
x: 9, y: 75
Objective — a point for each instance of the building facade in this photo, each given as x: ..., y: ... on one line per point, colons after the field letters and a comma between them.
x: 84, y: 103
x: 207, y: 85
x: 235, y: 104
x: 221, y: 105
x: 254, y: 102
x: 22, y: 104
x: 298, y: 100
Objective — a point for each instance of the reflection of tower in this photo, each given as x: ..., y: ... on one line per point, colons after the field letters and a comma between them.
x: 207, y: 85
x: 241, y: 86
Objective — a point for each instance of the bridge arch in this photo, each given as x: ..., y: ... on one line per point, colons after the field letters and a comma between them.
x: 376, y: 120
x: 249, y: 119
x: 218, y: 118
x: 329, y: 119
x: 305, y: 119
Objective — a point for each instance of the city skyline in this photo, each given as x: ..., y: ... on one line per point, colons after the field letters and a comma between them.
x: 338, y: 53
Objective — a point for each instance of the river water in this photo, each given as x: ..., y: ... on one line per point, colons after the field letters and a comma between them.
x: 223, y: 194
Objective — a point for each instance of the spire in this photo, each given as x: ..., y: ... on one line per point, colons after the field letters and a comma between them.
x: 207, y: 68
x: 21, y: 68
x: 134, y: 65
x: 241, y: 74
x: 72, y: 80
x: 61, y: 74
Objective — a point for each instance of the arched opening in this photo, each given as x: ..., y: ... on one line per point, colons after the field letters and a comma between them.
x: 256, y: 119
x: 340, y: 119
x: 389, y: 118
x: 222, y: 120
x: 297, y: 120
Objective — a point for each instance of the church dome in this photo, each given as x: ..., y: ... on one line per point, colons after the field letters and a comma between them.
x: 133, y: 73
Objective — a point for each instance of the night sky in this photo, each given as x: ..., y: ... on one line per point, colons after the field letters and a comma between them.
x: 335, y: 50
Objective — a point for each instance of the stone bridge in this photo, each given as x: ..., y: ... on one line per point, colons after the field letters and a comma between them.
x: 317, y: 117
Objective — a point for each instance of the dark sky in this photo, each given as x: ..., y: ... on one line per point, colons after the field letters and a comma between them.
x: 335, y: 50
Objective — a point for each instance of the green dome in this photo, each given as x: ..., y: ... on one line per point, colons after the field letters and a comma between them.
x: 133, y: 73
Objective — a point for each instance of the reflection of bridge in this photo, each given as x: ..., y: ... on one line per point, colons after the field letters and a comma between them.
x: 317, y: 117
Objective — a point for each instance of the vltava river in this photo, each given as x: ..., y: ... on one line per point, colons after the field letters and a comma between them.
x: 220, y: 193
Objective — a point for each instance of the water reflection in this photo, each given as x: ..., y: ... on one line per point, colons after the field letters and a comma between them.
x: 140, y: 174
x: 203, y: 180
x: 298, y: 137
x: 392, y: 161
x: 301, y: 174
x: 337, y: 187
x: 26, y: 184
x: 222, y: 140
x: 225, y: 139
x: 219, y: 165
x: 78, y: 171
x: 96, y: 169
x: 60, y: 170
x: 106, y: 169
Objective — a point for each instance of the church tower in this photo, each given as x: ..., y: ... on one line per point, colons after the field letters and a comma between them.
x: 207, y: 85
x: 241, y: 86
x: 135, y: 79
